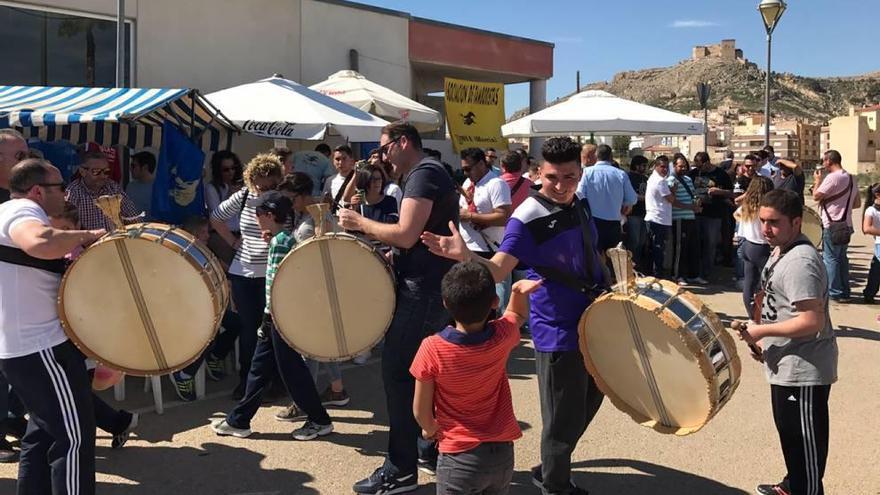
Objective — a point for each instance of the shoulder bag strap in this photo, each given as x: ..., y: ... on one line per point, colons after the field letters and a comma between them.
x: 686, y: 187
x: 518, y: 184
x: 834, y: 197
x: 341, y: 191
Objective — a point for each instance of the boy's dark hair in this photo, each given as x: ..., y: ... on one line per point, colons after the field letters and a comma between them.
x: 604, y: 153
x: 753, y: 157
x: 323, y: 148
x: 468, y: 291
x: 701, y: 157
x: 70, y: 213
x: 512, y: 162
x: 785, y: 202
x: 636, y: 161
x: 145, y: 159
x: 561, y: 150
x: 398, y: 129
x: 473, y: 155
x: 763, y: 155
x: 297, y: 183
x: 344, y: 148
x: 661, y: 159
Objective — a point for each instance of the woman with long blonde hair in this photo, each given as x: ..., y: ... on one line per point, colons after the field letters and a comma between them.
x: 755, y: 249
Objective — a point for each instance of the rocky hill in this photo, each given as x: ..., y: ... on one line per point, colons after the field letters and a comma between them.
x: 741, y: 85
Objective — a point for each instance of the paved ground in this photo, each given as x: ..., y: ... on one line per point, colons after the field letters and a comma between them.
x: 177, y: 452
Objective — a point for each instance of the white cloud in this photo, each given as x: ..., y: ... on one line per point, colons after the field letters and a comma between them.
x: 692, y: 23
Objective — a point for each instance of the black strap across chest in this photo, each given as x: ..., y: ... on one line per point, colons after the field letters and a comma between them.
x: 16, y: 256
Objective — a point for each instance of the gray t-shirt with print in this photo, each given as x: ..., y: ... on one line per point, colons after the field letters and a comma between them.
x: 799, y: 276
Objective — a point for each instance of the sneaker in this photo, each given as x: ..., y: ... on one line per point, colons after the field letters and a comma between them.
x: 331, y: 398
x: 184, y: 385
x: 700, y: 280
x: 214, y: 368
x: 362, y: 359
x: 120, y: 439
x: 290, y: 413
x: 312, y: 430
x: 428, y: 466
x: 223, y: 429
x: 776, y: 489
x: 380, y: 483
x: 538, y: 481
x: 7, y: 454
x: 681, y: 282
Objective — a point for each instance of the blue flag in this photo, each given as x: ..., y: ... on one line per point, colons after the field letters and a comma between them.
x: 177, y: 189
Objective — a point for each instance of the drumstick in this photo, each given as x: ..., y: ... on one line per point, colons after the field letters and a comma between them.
x: 741, y: 327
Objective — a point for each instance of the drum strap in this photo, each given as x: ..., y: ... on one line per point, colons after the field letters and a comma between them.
x: 16, y: 256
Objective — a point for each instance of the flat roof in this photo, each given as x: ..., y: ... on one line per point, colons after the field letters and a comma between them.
x: 407, y: 15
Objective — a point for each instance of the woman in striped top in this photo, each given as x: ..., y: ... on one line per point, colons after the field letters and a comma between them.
x: 247, y: 273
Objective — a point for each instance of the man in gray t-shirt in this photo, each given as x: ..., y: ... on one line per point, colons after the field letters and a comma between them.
x: 795, y: 341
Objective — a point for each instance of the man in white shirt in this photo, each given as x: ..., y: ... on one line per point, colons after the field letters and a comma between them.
x: 335, y: 187
x: 658, y: 212
x: 47, y: 371
x: 485, y: 208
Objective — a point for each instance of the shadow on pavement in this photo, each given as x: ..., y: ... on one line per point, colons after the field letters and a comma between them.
x: 521, y: 365
x: 648, y: 479
x: 857, y: 333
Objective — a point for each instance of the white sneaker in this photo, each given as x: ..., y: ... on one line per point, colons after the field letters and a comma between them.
x: 682, y: 282
x: 223, y: 429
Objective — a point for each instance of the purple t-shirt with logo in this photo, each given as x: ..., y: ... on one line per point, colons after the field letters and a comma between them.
x: 544, y: 234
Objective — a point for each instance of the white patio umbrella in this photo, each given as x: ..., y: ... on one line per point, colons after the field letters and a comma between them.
x: 602, y: 113
x: 352, y: 87
x: 283, y: 109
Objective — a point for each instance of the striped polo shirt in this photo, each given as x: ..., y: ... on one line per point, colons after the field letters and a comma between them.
x: 472, y: 401
x: 682, y: 195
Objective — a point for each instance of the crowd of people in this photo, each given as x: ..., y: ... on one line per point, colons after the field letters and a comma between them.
x: 470, y: 248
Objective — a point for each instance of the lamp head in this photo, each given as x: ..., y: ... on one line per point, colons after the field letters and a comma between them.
x: 771, y: 12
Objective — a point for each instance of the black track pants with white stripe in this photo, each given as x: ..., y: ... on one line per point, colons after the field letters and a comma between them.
x: 58, y: 450
x: 801, y: 416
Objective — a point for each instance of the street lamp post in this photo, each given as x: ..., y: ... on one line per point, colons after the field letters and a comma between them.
x: 771, y: 12
x: 703, y: 90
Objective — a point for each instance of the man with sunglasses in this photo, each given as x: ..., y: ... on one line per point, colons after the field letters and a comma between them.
x: 94, y: 181
x: 47, y: 371
x: 430, y: 203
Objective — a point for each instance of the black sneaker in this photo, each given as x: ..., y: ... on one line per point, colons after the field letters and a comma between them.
x: 428, y: 466
x: 7, y: 454
x: 331, y: 398
x: 215, y: 368
x: 184, y: 385
x: 120, y: 439
x: 777, y: 489
x: 379, y: 483
x: 538, y: 481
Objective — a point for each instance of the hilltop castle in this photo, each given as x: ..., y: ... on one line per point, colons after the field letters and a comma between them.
x: 726, y: 50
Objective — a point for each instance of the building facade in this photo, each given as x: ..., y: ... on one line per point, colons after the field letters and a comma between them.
x: 856, y: 137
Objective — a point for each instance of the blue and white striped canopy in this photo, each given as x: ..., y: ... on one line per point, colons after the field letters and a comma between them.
x: 108, y: 116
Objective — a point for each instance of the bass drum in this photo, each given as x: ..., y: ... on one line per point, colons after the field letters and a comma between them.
x: 333, y: 297
x: 146, y: 300
x: 811, y: 226
x: 660, y: 355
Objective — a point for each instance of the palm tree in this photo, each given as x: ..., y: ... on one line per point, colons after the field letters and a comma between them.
x: 71, y: 28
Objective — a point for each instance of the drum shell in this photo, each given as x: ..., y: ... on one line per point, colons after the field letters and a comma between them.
x: 302, y: 299
x: 680, y: 338
x: 811, y: 226
x: 186, y: 272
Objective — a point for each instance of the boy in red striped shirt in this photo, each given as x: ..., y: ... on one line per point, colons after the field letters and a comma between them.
x: 462, y: 396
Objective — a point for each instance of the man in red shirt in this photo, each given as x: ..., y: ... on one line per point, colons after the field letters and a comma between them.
x: 462, y: 396
x: 520, y: 186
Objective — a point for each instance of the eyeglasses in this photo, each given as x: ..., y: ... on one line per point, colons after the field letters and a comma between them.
x: 96, y: 172
x: 59, y: 185
x: 383, y: 150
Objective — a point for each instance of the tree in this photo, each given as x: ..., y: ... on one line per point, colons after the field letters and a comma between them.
x: 620, y: 144
x: 71, y: 28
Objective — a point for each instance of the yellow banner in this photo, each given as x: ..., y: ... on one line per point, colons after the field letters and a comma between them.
x: 474, y: 114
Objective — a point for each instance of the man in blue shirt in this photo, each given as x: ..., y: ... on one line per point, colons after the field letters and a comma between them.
x: 610, y: 194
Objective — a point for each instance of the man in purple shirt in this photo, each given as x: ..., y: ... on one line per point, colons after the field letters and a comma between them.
x: 554, y: 235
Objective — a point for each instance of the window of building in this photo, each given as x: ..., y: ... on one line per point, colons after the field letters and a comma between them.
x: 48, y: 48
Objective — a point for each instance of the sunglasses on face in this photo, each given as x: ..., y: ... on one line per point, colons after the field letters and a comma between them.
x: 97, y: 172
x: 383, y: 150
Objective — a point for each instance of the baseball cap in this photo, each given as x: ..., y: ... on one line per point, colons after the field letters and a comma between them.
x: 273, y: 202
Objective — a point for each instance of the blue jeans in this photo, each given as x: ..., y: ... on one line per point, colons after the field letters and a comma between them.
x: 837, y: 266
x: 502, y: 290
x: 249, y: 295
x: 416, y: 316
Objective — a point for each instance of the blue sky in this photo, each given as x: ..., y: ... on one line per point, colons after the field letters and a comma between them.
x: 601, y: 38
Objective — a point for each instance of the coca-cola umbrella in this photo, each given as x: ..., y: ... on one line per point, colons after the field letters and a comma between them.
x: 279, y: 108
x: 351, y: 87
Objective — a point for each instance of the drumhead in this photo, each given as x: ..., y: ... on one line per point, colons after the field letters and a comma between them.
x: 683, y: 374
x: 101, y: 313
x: 811, y: 226
x: 332, y: 298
